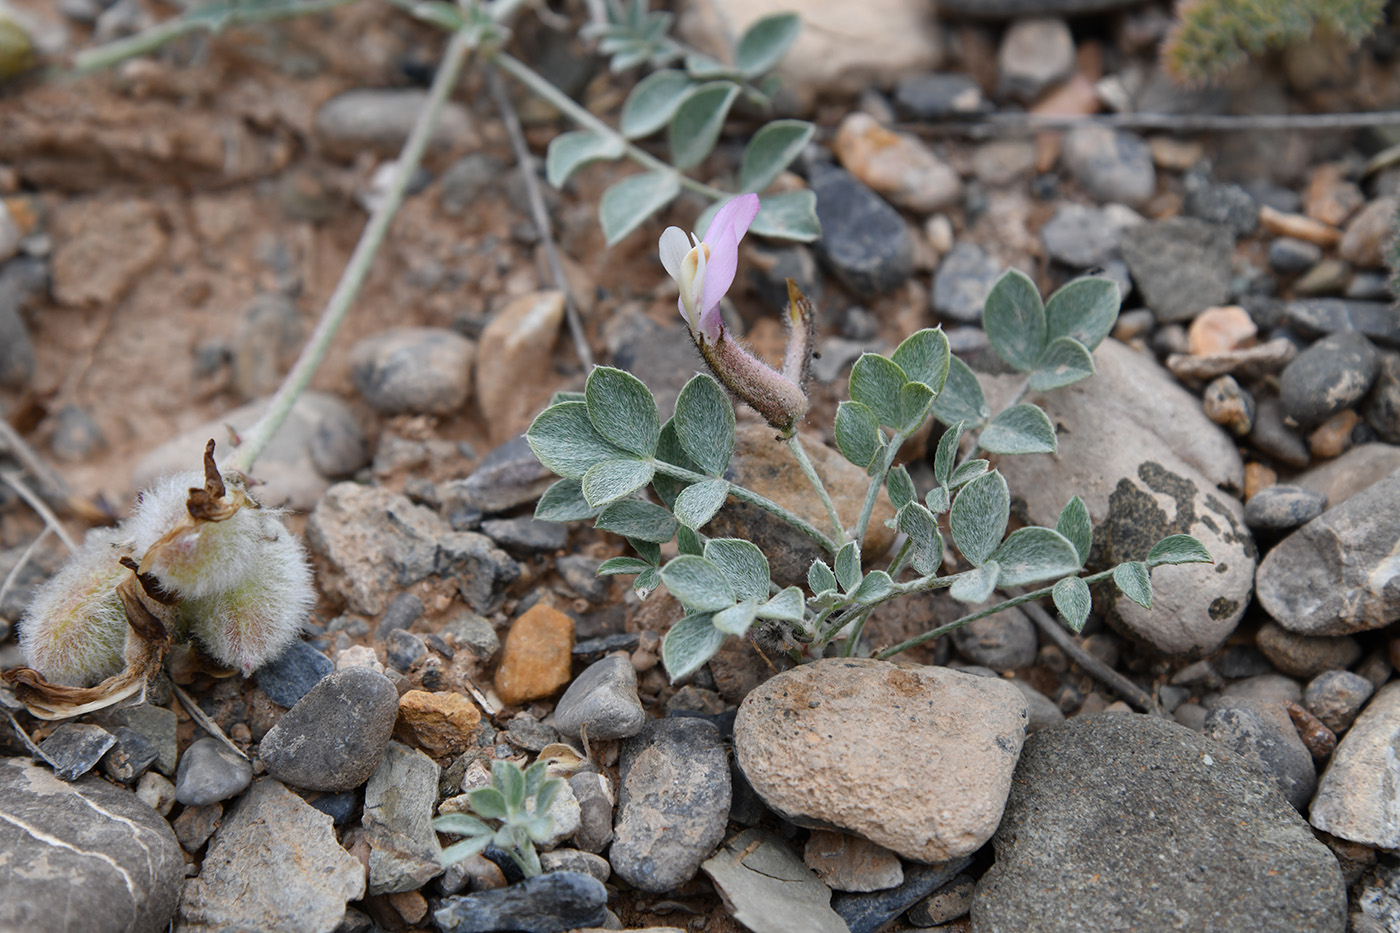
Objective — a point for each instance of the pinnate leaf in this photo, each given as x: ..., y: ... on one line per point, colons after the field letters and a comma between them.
x: 924, y: 357
x: 689, y: 644
x: 610, y: 480
x: 1084, y: 309
x: 771, y: 150
x: 946, y: 457
x: 874, y: 587
x: 787, y: 605
x: 921, y: 527
x: 1064, y: 362
x: 976, y: 586
x: 820, y: 579
x: 571, y: 151
x: 623, y: 410
x: 627, y: 204
x: 564, y: 502
x: 1178, y: 549
x: 915, y: 399
x: 616, y: 565
x: 736, y: 619
x: 697, y: 504
x: 848, y: 566
x: 742, y: 564
x: 968, y: 472
x: 653, y: 101
x: 633, y: 518
x: 791, y: 215
x: 669, y: 450
x: 875, y: 383
x: 1135, y: 582
x: 704, y: 423
x: 857, y: 433
x: 565, y: 441
x: 1075, y: 525
x: 698, y: 584
x: 1030, y: 555
x: 698, y: 120
x: 961, y: 398
x: 765, y: 43
x: 900, y: 487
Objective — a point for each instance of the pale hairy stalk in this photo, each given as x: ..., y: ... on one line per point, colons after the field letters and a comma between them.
x: 39, y: 505
x: 256, y: 439
x: 877, y: 481
x: 753, y: 498
x: 799, y: 453
x: 51, y: 485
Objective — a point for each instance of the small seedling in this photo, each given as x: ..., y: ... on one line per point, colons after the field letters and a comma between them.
x: 518, y: 802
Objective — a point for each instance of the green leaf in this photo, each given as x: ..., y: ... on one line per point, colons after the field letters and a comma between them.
x: 1071, y: 596
x: 669, y: 450
x: 623, y: 410
x: 510, y: 780
x: 1064, y: 362
x: 924, y: 356
x: 857, y: 432
x: 937, y: 499
x: 791, y: 215
x: 688, y: 542
x: 1085, y: 309
x: 820, y: 579
x: 1014, y: 319
x: 915, y: 399
x: 788, y: 606
x: 771, y: 150
x: 927, y: 544
x: 704, y: 424
x: 946, y: 457
x: 697, y: 504
x: 900, y: 487
x: 1178, y: 549
x: 698, y: 584
x: 564, y: 395
x: 610, y: 480
x: 705, y: 68
x: 544, y: 799
x: 1133, y: 579
x: 616, y: 565
x: 1030, y: 555
x: 565, y: 441
x: 848, y: 566
x: 976, y: 586
x: 564, y: 502
x: 979, y: 517
x: 961, y: 398
x: 874, y: 587
x: 488, y: 803
x: 463, y: 850
x: 696, y: 126
x: 690, y: 643
x: 649, y: 551
x: 534, y: 777
x: 743, y: 565
x: 460, y: 824
x: 653, y: 101
x: 633, y: 518
x: 571, y: 151
x: 765, y: 43
x: 647, y: 581
x: 968, y: 472
x: 1020, y: 429
x: 1074, y: 524
x: 875, y: 383
x: 626, y: 205
x: 736, y: 619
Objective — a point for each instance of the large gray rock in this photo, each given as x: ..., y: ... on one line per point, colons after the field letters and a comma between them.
x: 274, y: 866
x: 864, y: 746
x: 1353, y: 471
x: 1116, y: 817
x: 82, y: 856
x: 1181, y: 265
x: 1338, y: 574
x: 1146, y: 461
x: 1356, y: 794
x: 398, y: 820
x: 1261, y: 732
x: 334, y: 738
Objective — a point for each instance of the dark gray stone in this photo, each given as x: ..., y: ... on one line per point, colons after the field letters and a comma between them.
x: 1289, y: 255
x: 549, y: 903
x: 1001, y: 642
x: 466, y: 180
x: 952, y: 901
x: 195, y: 825
x: 1081, y: 235
x: 1377, y: 895
x: 398, y: 821
x: 1305, y: 656
x: 673, y: 804
x: 481, y: 570
x: 866, y: 913
x: 1242, y: 661
x: 289, y: 677
x: 961, y: 284
x: 337, y: 445
x: 1332, y: 374
x: 414, y: 370
x: 1383, y: 405
x: 474, y: 633
x: 83, y: 855
x: 402, y: 613
x: 156, y: 723
x: 771, y: 266
x: 19, y: 280
x: 508, y: 476
x: 865, y: 242
x: 1097, y: 801
x: 1042, y: 711
x: 1181, y: 265
x: 1228, y: 205
x: 527, y: 732
x: 1282, y: 508
x: 1261, y: 732
x: 1276, y: 439
x: 581, y: 574
x: 75, y: 748
x: 932, y: 96
x: 209, y: 772
x: 596, y: 811
x: 525, y: 535
x: 1378, y: 320
x: 403, y: 649
x: 339, y: 807
x: 334, y: 738
x: 1336, y: 697
x: 1113, y: 166
x: 603, y: 701
x: 131, y: 756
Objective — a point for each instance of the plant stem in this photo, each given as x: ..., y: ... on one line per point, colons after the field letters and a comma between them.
x: 753, y: 498
x: 876, y: 482
x: 800, y: 454
x: 901, y: 559
x: 567, y: 106
x: 856, y: 631
x: 256, y: 438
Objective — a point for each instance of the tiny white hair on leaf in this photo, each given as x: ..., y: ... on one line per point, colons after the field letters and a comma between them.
x: 249, y: 624
x: 75, y: 628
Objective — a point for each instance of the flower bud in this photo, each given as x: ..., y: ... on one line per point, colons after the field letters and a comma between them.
x: 774, y: 396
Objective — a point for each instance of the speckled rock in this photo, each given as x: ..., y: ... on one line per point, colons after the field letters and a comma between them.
x: 399, y: 799
x: 1112, y: 165
x: 1335, y: 697
x: 1181, y: 265
x: 334, y: 738
x: 1261, y: 732
x: 1283, y: 508
x: 863, y: 745
x: 1305, y: 656
x: 1356, y: 794
x: 1332, y: 374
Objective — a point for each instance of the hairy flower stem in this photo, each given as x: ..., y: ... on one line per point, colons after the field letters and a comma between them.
x: 256, y: 439
x: 753, y: 498
x: 877, y: 481
x: 800, y: 454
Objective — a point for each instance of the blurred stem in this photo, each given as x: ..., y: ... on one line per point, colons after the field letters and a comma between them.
x: 856, y: 630
x: 876, y: 483
x: 800, y: 453
x: 256, y: 438
x: 753, y: 498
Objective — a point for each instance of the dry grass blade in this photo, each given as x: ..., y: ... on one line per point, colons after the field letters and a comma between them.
x: 40, y: 506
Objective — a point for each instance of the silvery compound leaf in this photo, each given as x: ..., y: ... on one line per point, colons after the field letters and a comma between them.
x: 567, y: 395
x: 623, y: 410
x: 968, y: 472
x: 647, y: 581
x: 736, y: 619
x: 820, y: 579
x: 979, y: 517
x: 915, y: 400
x: 1075, y: 525
x: 1030, y: 555
x: 688, y: 542
x: 924, y: 357
x: 875, y: 383
x: 633, y: 518
x: 875, y: 586
x: 565, y: 441
x: 937, y: 500
x: 697, y: 504
x: 791, y: 215
x: 1135, y: 582
x: 564, y: 502
x: 488, y: 802
x: 464, y: 849
x: 571, y: 151
x: 1178, y: 549
x: 610, y: 480
x: 788, y: 605
x: 690, y: 643
x: 1020, y: 429
x: 649, y: 551
x: 765, y: 43
x: 704, y: 423
x: 743, y: 565
x: 946, y: 456
x: 1064, y: 362
x: 1014, y: 319
x: 653, y: 101
x: 1085, y: 309
x: 1071, y: 596
x: 857, y: 431
x: 698, y: 584
x: 961, y: 398
x: 900, y: 487
x: 771, y: 150
x: 627, y: 204
x: 704, y: 67
x: 975, y: 586
x: 697, y: 122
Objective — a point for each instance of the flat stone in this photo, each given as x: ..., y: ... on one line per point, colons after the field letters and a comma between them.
x: 849, y: 863
x: 195, y: 825
x: 1271, y: 686
x: 1363, y: 242
x: 413, y: 370
x: 865, y: 243
x: 950, y: 903
x: 481, y: 570
x: 1261, y: 732
x: 84, y: 849
x: 131, y: 756
x: 673, y: 803
x: 1097, y: 801
x: 288, y: 678
x: 766, y: 887
x: 603, y: 701
x: 1112, y: 165
x: 1333, y: 374
x: 1229, y: 205
x: 403, y: 649
x: 75, y: 748
x: 1247, y: 363
x: 1287, y: 254
x: 595, y: 800
x: 548, y: 903
x: 868, y: 913
x: 1305, y: 656
x: 536, y: 660
x: 1335, y: 697
x: 934, y: 96
x: 898, y: 166
x: 474, y: 633
x: 573, y: 860
x: 1181, y: 265
x: 1378, y: 320
x: 854, y: 744
x: 1082, y: 236
x: 1283, y: 508
x: 509, y: 476
x: 379, y: 119
x: 1356, y: 794
x: 265, y: 344
x: 441, y: 724
x: 399, y: 800
x: 274, y: 866
x: 964, y: 279
x: 1352, y: 472
x: 519, y: 338
x: 1337, y: 574
x: 209, y: 772
x: 156, y: 723
x: 525, y: 535
x: 334, y: 738
x: 1272, y: 436
x: 1001, y: 642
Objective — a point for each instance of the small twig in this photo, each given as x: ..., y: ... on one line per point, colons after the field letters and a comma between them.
x: 1021, y: 124
x: 23, y: 560
x: 540, y: 214
x: 49, y: 481
x: 40, y: 506
x: 203, y: 721
x: 1096, y: 668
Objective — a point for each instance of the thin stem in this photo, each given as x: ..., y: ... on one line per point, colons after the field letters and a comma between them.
x: 800, y: 453
x: 566, y: 105
x: 23, y: 560
x: 753, y: 498
x: 856, y: 631
x: 39, y: 505
x: 877, y: 481
x: 901, y: 560
x: 1096, y: 668
x: 256, y: 438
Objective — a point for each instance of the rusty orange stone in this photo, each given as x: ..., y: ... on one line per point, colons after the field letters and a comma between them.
x: 536, y: 660
x: 441, y: 724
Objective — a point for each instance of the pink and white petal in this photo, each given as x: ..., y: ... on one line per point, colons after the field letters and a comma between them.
x: 719, y: 272
x: 674, y: 244
x: 737, y: 214
x: 710, y: 323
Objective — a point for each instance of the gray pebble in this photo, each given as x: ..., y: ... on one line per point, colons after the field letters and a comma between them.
x: 209, y: 772
x: 1332, y: 374
x: 1336, y: 697
x: 402, y: 613
x: 1181, y: 265
x: 527, y: 732
x: 1383, y: 405
x: 1282, y: 507
x: 549, y: 903
x: 1261, y: 731
x: 1081, y: 235
x: 865, y: 242
x: 289, y: 677
x: 334, y: 738
x: 76, y: 436
x: 1225, y: 204
x: 1240, y: 661
x: 866, y: 913
x: 1001, y: 642
x: 131, y: 756
x: 1266, y: 687
x: 75, y: 748
x: 1113, y: 166
x: 474, y: 633
x: 581, y: 574
x: 961, y: 284
x: 596, y: 811
x: 414, y: 370
x: 483, y: 571
x: 1305, y: 656
x: 1287, y: 254
x: 1229, y: 405
x: 931, y: 96
x: 1043, y: 713
x: 525, y: 535
x: 337, y: 444
x: 266, y: 341
x: 585, y: 863
x: 602, y: 701
x: 1276, y: 439
x: 509, y: 476
x: 403, y: 649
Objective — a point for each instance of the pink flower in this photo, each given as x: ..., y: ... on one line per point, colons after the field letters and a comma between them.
x: 705, y: 269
